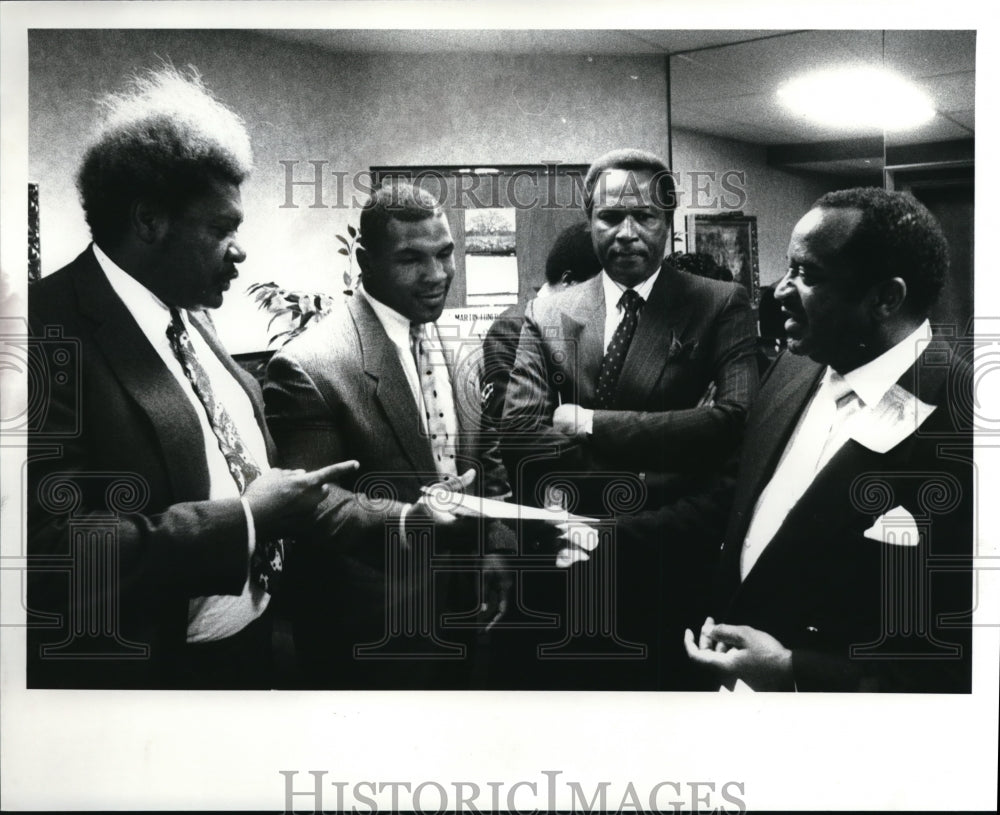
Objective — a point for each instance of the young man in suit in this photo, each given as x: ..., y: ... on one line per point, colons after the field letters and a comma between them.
x: 154, y: 520
x: 377, y: 380
x: 846, y: 562
x: 605, y: 402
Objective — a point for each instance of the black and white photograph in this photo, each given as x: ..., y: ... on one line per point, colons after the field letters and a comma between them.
x: 508, y: 417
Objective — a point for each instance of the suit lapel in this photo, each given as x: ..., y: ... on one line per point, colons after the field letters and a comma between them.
x: 146, y: 379
x: 582, y: 331
x: 771, y: 424
x: 391, y: 388
x: 828, y: 503
x: 664, y: 319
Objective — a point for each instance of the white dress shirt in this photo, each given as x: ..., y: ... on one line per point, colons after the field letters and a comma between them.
x: 613, y: 314
x: 397, y: 327
x: 216, y: 617
x: 880, y: 416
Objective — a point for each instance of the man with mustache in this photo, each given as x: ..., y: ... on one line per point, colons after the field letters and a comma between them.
x: 846, y: 562
x: 378, y: 380
x: 154, y: 519
x: 605, y: 404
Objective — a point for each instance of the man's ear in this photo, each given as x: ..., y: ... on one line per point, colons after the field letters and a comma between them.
x: 889, y: 297
x: 149, y: 223
x: 364, y: 259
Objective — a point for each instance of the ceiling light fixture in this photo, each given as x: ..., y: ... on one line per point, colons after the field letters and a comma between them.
x: 857, y: 97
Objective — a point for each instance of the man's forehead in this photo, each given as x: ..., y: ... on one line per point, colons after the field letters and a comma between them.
x: 426, y: 232
x: 618, y: 187
x: 828, y: 228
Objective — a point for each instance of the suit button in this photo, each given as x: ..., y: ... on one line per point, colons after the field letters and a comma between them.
x: 642, y: 476
x: 812, y: 629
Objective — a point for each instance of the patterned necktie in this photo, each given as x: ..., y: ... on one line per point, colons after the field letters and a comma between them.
x: 438, y: 401
x: 614, y: 359
x: 268, y: 558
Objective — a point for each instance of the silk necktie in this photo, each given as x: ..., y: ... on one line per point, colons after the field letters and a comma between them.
x: 268, y: 557
x: 816, y: 440
x: 614, y: 359
x: 438, y: 402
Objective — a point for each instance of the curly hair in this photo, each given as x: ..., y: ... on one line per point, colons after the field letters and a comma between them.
x: 164, y: 137
x: 664, y: 198
x: 896, y: 237
x: 394, y: 199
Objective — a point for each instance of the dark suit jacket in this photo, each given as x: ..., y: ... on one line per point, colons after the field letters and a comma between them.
x: 692, y: 332
x: 821, y: 587
x: 338, y: 392
x: 116, y: 453
x: 652, y: 461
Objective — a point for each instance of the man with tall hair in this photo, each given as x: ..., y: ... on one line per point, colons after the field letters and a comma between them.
x: 154, y: 519
x: 377, y: 380
x: 846, y: 562
x: 605, y: 399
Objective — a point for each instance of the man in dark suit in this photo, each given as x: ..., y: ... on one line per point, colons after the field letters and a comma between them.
x: 846, y: 562
x: 571, y: 260
x: 605, y: 404
x: 380, y: 381
x: 153, y: 517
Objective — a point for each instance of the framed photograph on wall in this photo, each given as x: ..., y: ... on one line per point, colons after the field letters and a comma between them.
x: 730, y: 239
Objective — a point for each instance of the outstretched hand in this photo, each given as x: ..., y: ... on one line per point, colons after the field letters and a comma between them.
x: 280, y: 498
x: 439, y: 500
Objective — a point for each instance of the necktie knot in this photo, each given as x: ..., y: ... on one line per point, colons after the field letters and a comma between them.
x: 631, y: 301
x: 840, y: 391
x: 176, y: 326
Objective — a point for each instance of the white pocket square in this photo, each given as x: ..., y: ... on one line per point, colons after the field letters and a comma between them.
x: 896, y: 527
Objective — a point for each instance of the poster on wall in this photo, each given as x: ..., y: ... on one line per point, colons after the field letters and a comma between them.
x: 730, y: 239
x: 490, y: 257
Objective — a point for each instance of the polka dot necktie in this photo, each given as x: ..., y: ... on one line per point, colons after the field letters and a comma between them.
x: 611, y: 366
x: 267, y: 560
x: 438, y: 402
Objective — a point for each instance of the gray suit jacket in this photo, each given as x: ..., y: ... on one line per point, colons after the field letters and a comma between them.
x: 338, y: 392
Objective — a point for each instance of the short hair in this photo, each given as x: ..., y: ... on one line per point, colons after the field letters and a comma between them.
x: 394, y: 199
x: 164, y: 137
x: 664, y: 198
x: 896, y: 237
x: 572, y: 252
x: 701, y: 264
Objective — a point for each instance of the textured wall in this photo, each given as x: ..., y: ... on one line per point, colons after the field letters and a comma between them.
x: 351, y: 110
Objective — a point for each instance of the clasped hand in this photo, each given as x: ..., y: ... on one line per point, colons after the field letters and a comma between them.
x: 739, y: 652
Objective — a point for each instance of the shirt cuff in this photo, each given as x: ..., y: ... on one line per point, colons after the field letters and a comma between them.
x: 588, y: 422
x: 251, y: 529
x: 407, y: 509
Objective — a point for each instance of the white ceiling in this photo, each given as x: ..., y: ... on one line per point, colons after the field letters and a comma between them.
x: 724, y: 82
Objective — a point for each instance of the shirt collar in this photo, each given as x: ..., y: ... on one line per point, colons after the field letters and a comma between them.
x: 613, y: 291
x: 148, y: 310
x: 873, y: 380
x: 395, y: 324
